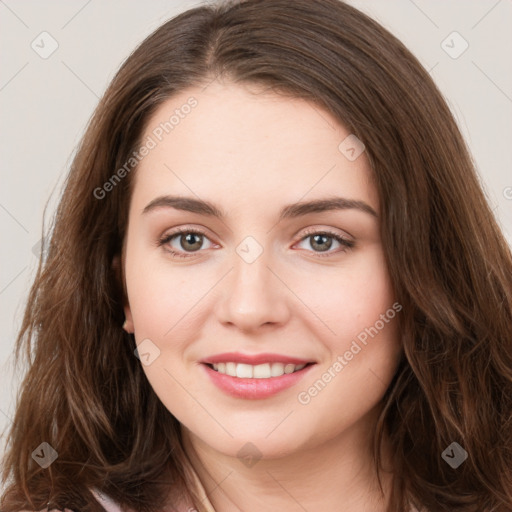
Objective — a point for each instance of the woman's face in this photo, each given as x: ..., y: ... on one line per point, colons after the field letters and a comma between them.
x: 265, y: 287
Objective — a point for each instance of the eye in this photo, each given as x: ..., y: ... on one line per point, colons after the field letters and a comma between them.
x: 187, y: 240
x: 322, y: 242
x: 191, y: 240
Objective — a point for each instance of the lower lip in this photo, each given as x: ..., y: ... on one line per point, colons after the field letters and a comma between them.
x: 254, y: 389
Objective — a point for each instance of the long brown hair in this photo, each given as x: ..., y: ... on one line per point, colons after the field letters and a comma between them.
x: 86, y: 394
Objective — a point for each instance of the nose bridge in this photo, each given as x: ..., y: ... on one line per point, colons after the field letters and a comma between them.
x: 253, y: 295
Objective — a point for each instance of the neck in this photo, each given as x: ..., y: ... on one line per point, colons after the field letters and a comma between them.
x: 340, y: 470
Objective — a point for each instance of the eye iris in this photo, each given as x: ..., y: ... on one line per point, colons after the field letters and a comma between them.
x: 321, y: 239
x: 189, y: 239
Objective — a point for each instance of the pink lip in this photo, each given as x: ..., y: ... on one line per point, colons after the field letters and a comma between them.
x: 254, y: 389
x: 237, y: 357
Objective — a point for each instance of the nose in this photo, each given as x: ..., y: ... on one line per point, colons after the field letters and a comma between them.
x: 253, y: 296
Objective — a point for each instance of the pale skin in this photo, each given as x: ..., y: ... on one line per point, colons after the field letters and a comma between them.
x: 251, y: 155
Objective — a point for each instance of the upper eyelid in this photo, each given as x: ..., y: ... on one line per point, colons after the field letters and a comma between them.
x: 309, y: 231
x: 328, y: 231
x: 187, y: 229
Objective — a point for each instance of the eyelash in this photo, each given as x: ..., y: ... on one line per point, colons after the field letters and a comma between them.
x: 345, y: 243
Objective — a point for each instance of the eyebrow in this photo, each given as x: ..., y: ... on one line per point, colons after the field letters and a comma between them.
x: 190, y: 204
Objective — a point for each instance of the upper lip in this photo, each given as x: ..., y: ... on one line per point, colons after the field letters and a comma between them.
x: 253, y: 359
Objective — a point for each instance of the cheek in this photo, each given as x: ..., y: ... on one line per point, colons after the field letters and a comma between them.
x: 161, y: 297
x: 162, y: 302
x: 348, y: 298
x: 358, y: 312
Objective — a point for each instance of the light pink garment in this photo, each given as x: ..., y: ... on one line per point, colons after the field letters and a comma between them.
x: 110, y: 506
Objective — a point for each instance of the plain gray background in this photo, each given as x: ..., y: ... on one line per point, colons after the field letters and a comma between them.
x: 45, y: 104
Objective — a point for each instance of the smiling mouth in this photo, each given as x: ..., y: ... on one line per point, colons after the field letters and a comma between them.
x: 259, y: 371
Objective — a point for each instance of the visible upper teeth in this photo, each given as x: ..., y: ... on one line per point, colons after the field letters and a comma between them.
x: 259, y: 371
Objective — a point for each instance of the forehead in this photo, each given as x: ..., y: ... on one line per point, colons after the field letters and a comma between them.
x: 242, y: 143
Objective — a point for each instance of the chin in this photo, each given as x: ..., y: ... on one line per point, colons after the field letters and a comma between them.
x: 264, y: 441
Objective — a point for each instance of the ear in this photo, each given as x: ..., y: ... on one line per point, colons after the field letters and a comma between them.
x: 128, y: 323
x: 119, y: 275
